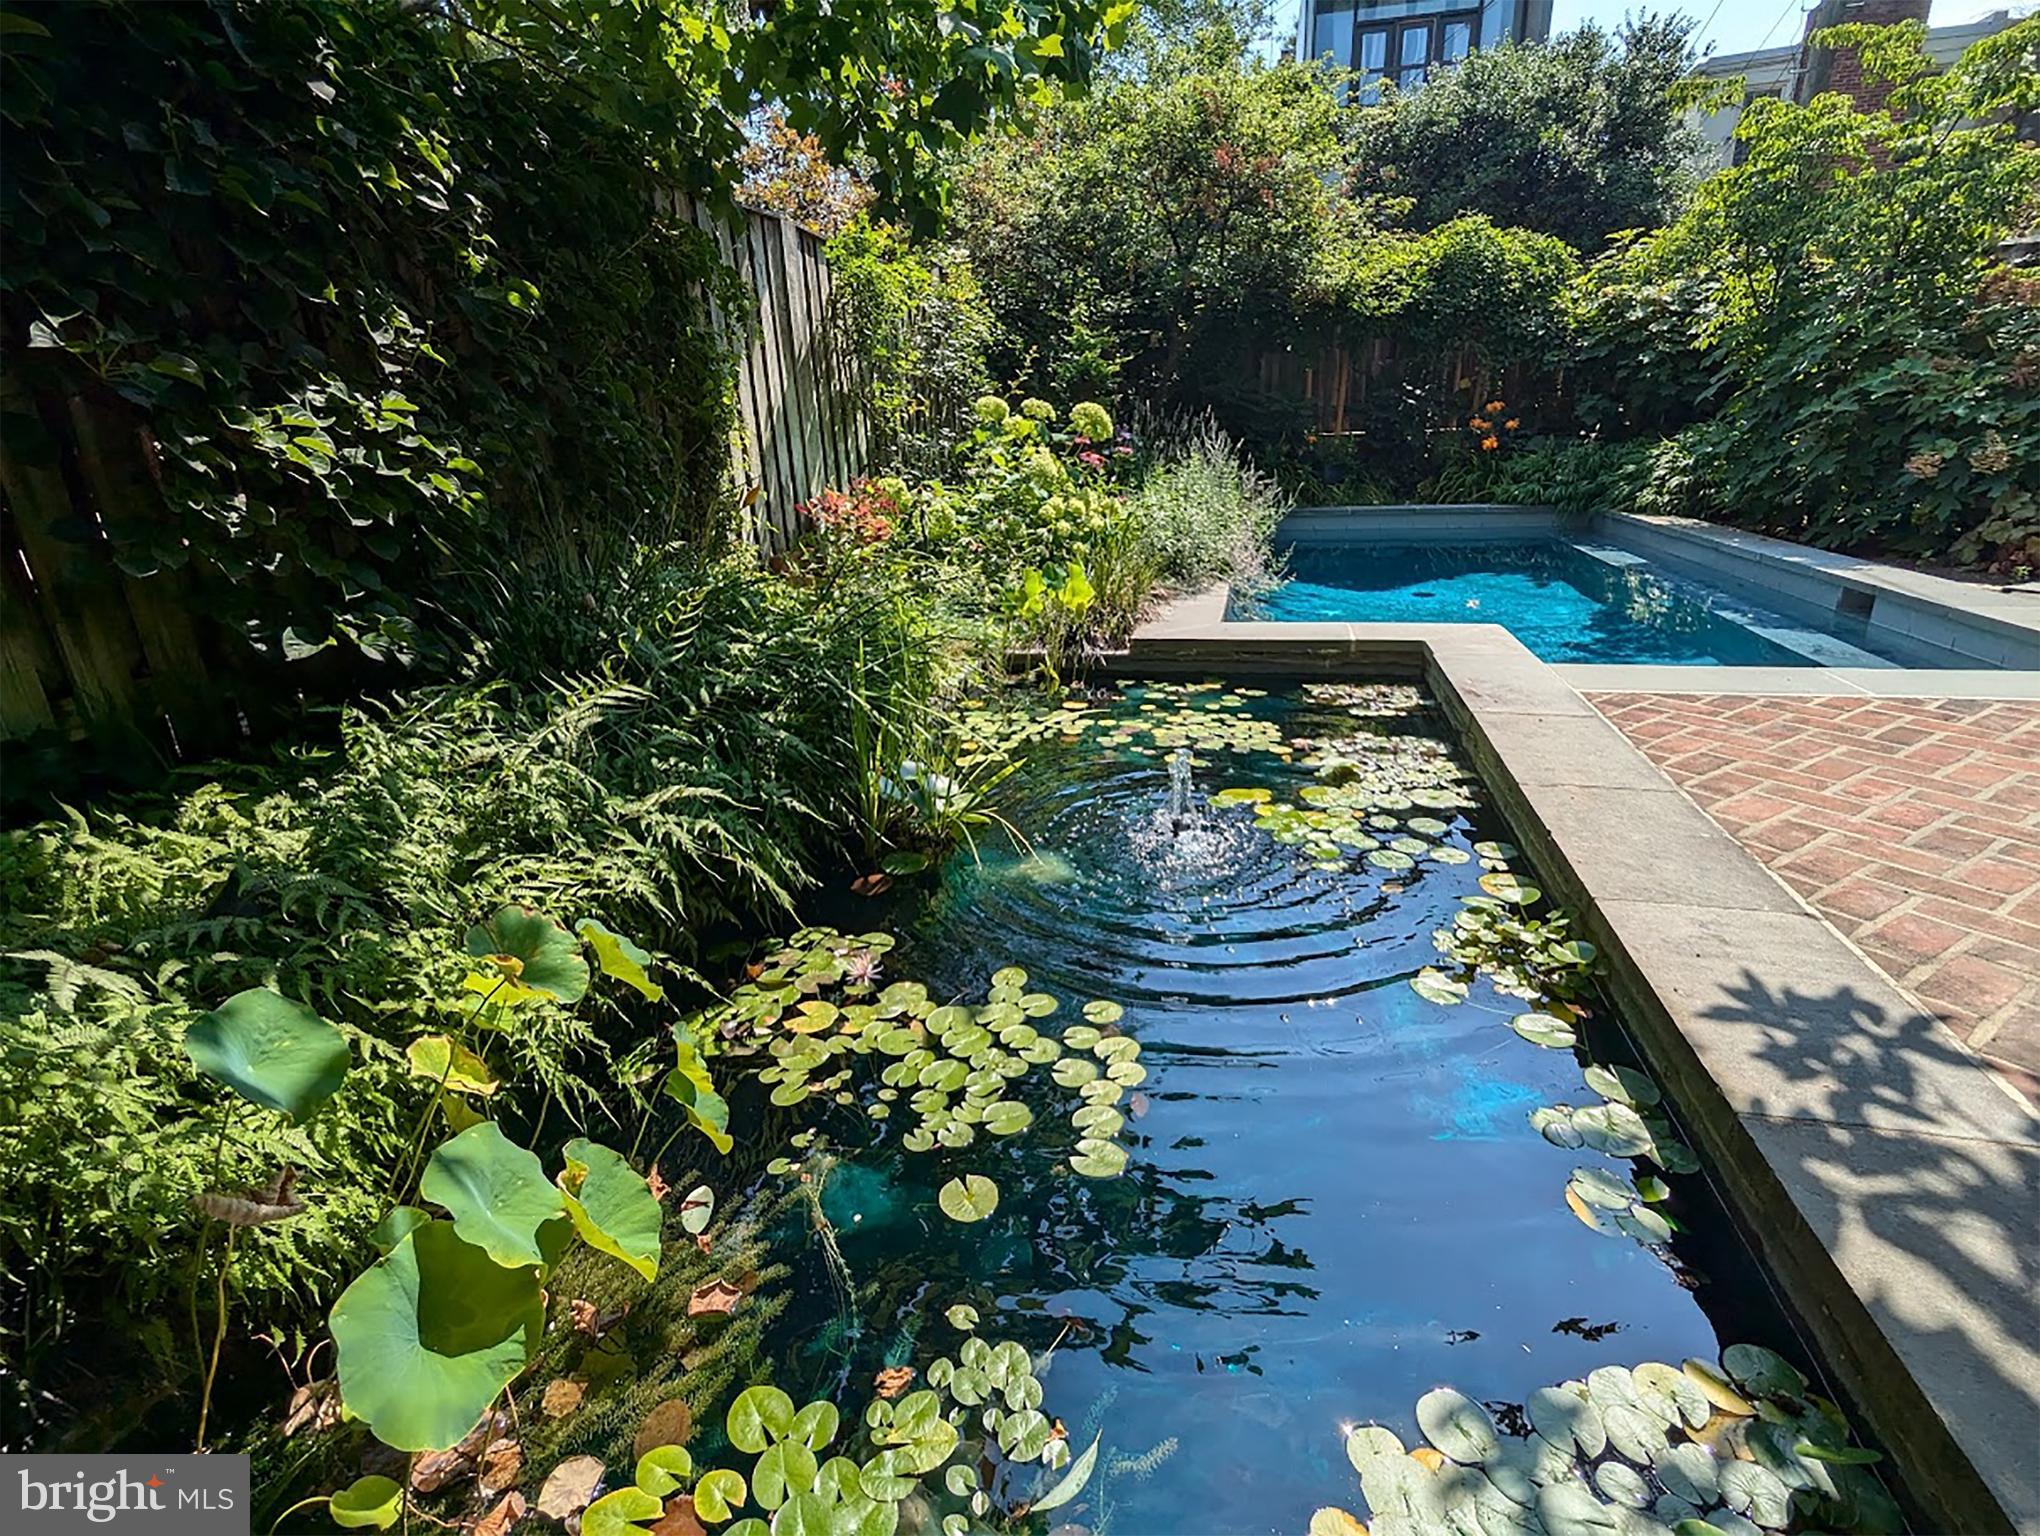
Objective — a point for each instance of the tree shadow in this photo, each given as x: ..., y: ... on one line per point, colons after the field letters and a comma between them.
x: 1919, y: 1176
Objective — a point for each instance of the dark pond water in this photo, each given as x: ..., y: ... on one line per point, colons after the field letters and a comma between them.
x: 1335, y: 1200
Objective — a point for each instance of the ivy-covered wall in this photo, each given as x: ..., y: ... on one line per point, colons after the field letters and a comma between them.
x: 373, y: 311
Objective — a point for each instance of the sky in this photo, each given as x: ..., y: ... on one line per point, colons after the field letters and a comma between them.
x: 1730, y: 26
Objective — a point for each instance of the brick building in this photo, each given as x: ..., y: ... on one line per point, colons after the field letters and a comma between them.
x: 1798, y: 71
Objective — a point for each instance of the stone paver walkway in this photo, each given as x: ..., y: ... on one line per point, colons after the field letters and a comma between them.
x: 1912, y: 826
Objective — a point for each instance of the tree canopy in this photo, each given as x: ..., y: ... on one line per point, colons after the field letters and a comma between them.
x: 1580, y: 137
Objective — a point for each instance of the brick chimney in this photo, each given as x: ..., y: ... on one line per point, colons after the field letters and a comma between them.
x: 1839, y: 69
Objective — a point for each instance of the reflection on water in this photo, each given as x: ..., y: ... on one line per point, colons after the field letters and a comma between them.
x: 1335, y: 1200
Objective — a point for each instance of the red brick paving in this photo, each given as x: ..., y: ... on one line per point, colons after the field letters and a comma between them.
x: 1911, y: 825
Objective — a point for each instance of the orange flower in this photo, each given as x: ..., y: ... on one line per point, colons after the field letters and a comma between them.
x: 1479, y: 423
x: 1494, y: 407
x: 1490, y: 443
x: 1511, y: 424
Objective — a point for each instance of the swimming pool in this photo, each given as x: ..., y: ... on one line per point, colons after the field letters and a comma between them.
x: 1567, y: 601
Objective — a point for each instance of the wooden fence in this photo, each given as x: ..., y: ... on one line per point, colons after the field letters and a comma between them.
x: 1335, y: 384
x: 798, y: 430
x: 131, y: 667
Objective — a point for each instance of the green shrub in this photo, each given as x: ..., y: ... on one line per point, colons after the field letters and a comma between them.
x: 1209, y: 514
x: 709, y: 772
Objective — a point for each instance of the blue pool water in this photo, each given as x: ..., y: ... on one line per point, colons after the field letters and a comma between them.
x: 1564, y: 604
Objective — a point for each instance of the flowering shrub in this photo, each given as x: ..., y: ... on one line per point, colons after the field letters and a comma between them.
x: 867, y: 513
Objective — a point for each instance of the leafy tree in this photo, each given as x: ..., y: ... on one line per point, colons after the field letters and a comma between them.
x: 1578, y: 138
x: 1873, y: 368
x: 1140, y: 239
x: 787, y: 172
x: 880, y: 83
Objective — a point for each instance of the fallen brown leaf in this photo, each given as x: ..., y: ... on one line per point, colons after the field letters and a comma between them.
x: 680, y: 1519
x: 314, y: 1406
x: 657, y: 1185
x: 507, y: 1513
x: 562, y: 1396
x: 876, y: 884
x: 701, y: 1241
x: 717, y: 1296
x: 435, y: 1469
x: 570, y: 1487
x: 668, y: 1424
x: 502, y: 1465
x: 894, y: 1380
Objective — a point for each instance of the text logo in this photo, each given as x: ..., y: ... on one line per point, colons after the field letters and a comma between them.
x: 147, y: 1495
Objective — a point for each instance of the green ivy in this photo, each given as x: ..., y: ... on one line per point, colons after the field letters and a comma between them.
x: 372, y: 305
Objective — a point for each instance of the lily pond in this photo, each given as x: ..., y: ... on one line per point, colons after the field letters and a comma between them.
x: 1248, y: 1152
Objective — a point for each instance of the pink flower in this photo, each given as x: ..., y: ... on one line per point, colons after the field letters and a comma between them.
x: 1122, y: 452
x: 1091, y: 460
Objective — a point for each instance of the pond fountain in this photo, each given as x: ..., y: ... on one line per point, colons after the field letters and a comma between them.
x: 1309, y: 1112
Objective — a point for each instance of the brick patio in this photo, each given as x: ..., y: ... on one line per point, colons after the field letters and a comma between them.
x: 1912, y: 826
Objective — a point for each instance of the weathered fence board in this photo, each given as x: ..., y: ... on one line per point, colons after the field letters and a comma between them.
x: 114, y: 659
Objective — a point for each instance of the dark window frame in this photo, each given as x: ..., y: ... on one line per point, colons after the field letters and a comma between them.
x: 1393, y: 29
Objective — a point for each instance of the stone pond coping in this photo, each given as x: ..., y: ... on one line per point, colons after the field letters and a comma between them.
x: 1888, y: 1179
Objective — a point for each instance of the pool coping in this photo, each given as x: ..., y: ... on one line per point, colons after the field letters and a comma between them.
x: 1882, y: 1171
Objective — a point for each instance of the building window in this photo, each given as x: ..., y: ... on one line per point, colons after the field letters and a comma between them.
x: 1334, y: 34
x: 1407, y: 51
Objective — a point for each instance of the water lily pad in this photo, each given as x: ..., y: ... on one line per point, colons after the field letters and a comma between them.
x: 1435, y: 986
x: 1097, y: 1158
x: 1241, y: 794
x: 1570, y: 1509
x: 1495, y: 850
x: 1392, y: 859
x: 1624, y: 1085
x: 963, y: 1316
x: 1554, y: 1123
x: 1614, y: 1129
x: 1621, y: 1484
x: 1762, y: 1372
x: 1008, y: 1117
x: 1757, y: 1492
x: 1507, y: 887
x: 1545, y: 1030
x: 1565, y: 1416
x: 1457, y: 1425
x: 1081, y: 1037
x: 1098, y: 1120
x: 270, y: 1050
x: 968, y: 1199
x: 719, y: 1494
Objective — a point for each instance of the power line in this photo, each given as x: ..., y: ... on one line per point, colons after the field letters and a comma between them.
x: 1790, y: 6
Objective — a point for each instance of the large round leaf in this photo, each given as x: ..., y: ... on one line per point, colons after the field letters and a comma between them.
x: 270, y: 1050
x: 1457, y: 1425
x: 367, y: 1504
x: 970, y: 1198
x: 620, y: 958
x: 498, y: 1196
x: 430, y: 1334
x: 533, y: 956
x: 759, y: 1416
x: 613, y: 1208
